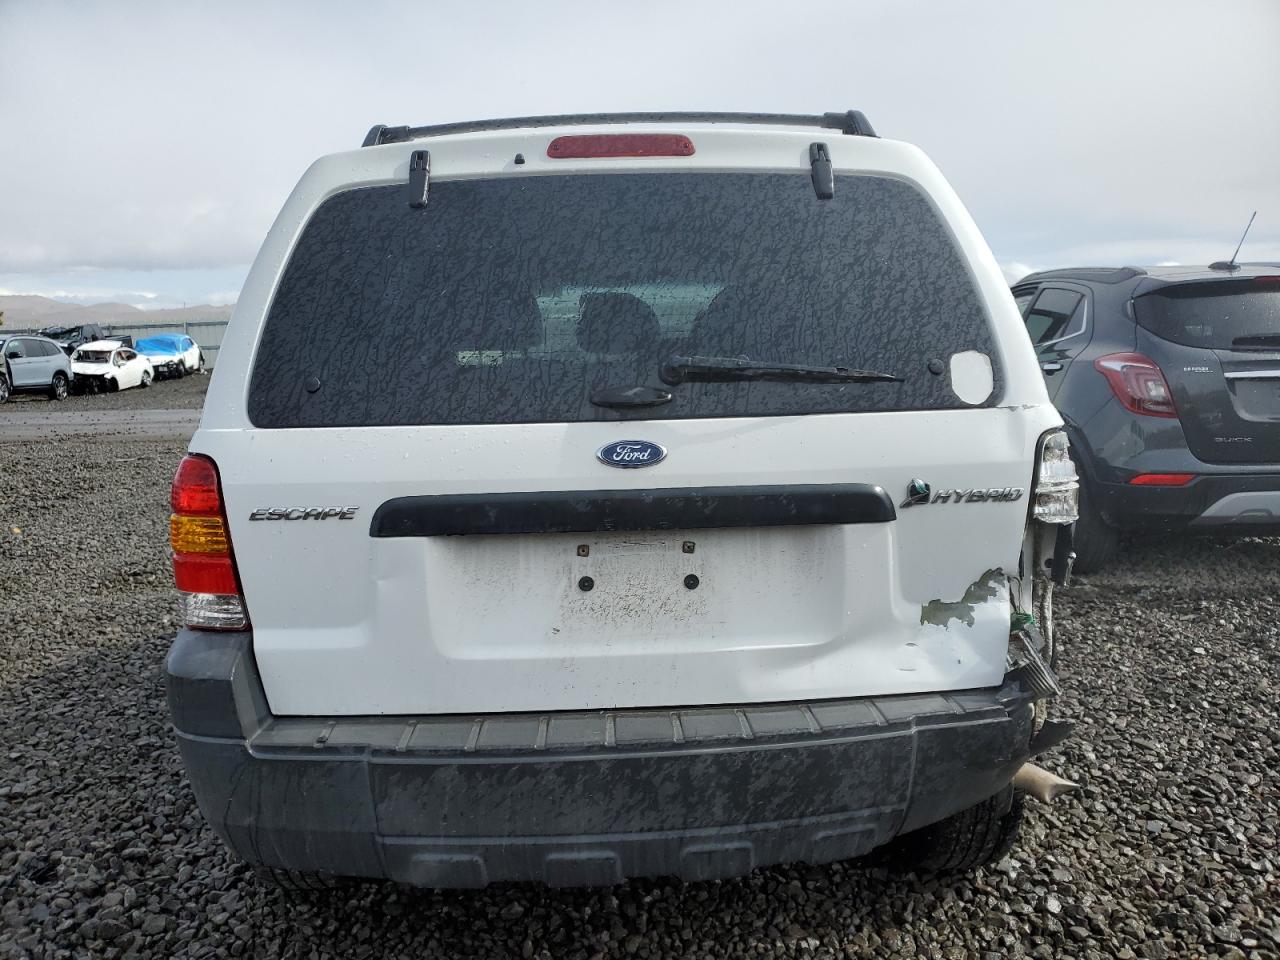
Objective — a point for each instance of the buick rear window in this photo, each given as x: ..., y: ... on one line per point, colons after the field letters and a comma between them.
x: 519, y: 299
x: 1219, y: 314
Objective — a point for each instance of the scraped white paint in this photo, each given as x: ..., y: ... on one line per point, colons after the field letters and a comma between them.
x: 971, y: 376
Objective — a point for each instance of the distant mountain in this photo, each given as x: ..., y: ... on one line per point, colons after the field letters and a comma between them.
x: 21, y: 312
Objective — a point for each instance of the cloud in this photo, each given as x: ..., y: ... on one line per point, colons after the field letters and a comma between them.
x: 182, y: 128
x: 133, y: 297
x: 1013, y: 272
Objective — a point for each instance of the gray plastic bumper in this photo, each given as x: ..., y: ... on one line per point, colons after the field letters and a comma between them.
x: 578, y: 798
x: 1247, y: 508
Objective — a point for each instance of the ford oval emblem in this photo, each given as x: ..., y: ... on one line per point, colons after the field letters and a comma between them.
x: 631, y: 453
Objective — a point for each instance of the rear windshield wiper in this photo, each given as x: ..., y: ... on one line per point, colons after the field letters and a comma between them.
x: 1258, y: 340
x: 717, y: 369
x: 641, y: 396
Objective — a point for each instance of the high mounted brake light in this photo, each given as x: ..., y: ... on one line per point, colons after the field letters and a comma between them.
x: 204, y: 568
x: 1056, y: 492
x: 608, y: 145
x: 1137, y: 383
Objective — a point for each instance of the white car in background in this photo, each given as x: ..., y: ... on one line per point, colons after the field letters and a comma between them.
x: 107, y: 366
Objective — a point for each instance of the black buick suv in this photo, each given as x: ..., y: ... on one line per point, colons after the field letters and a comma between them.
x: 1168, y: 379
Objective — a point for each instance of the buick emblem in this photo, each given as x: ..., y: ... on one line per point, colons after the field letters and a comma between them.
x: 631, y: 453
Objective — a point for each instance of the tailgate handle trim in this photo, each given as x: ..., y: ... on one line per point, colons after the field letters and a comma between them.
x: 602, y: 511
x: 1251, y: 374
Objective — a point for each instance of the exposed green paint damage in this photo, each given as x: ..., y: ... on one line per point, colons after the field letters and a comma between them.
x: 941, y: 612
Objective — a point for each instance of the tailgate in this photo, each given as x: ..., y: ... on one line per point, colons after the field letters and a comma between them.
x: 1218, y: 344
x: 429, y: 388
x: 840, y: 602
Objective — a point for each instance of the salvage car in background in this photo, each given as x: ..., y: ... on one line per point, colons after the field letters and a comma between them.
x: 69, y: 339
x: 1168, y: 379
x: 171, y: 354
x: 106, y: 366
x: 33, y: 365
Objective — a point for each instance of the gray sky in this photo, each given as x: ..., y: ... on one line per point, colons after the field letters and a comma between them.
x: 146, y: 148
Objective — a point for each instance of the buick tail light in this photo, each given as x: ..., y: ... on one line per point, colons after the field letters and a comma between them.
x: 204, y: 568
x: 1056, y: 492
x: 1162, y: 479
x: 1137, y: 383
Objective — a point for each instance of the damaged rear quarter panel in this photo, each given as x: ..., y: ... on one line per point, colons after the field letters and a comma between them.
x: 991, y: 586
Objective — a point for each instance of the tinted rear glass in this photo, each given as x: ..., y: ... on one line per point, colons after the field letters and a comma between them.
x: 1220, y: 314
x: 513, y: 300
x: 1057, y: 314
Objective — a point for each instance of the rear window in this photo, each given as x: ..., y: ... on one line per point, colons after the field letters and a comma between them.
x: 514, y: 300
x: 1219, y: 314
x: 1057, y: 314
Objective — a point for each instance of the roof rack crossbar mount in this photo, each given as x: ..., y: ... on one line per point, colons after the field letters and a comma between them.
x: 851, y: 122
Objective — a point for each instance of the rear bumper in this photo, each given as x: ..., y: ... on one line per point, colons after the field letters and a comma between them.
x: 575, y: 799
x: 1236, y: 501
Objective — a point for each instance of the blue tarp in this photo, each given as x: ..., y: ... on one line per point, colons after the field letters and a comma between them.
x: 170, y: 344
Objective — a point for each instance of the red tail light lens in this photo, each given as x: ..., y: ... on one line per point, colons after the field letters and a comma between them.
x: 195, y: 488
x: 1162, y: 479
x: 1137, y: 383
x: 204, y: 569
x: 200, y: 573
x: 607, y: 145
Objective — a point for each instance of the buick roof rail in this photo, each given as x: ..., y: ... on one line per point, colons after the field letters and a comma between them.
x: 852, y: 123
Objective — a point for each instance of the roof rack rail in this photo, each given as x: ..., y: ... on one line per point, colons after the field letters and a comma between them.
x: 851, y: 122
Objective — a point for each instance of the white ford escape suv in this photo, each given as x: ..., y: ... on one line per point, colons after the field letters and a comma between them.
x: 594, y: 496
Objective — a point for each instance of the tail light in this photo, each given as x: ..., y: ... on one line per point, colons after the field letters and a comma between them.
x: 611, y: 145
x: 204, y: 568
x: 1137, y: 383
x: 1162, y: 479
x: 1056, y: 493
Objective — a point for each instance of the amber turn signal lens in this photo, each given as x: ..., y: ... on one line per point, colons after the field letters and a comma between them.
x: 198, y: 534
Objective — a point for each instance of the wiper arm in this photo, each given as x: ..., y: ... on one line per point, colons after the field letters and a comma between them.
x: 631, y: 397
x: 1258, y: 340
x: 723, y: 369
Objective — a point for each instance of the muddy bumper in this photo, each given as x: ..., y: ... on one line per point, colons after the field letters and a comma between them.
x: 580, y: 798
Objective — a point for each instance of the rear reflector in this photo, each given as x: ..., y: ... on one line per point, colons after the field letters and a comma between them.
x: 204, y: 569
x: 1137, y: 383
x: 606, y: 145
x: 1162, y: 479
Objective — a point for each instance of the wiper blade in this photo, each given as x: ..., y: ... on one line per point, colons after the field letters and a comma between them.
x: 1258, y: 340
x: 717, y: 369
x: 631, y: 397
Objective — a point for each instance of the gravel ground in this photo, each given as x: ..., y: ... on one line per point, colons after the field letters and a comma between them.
x: 1170, y: 850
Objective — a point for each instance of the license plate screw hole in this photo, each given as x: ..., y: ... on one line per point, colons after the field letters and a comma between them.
x: 584, y: 550
x: 687, y: 546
